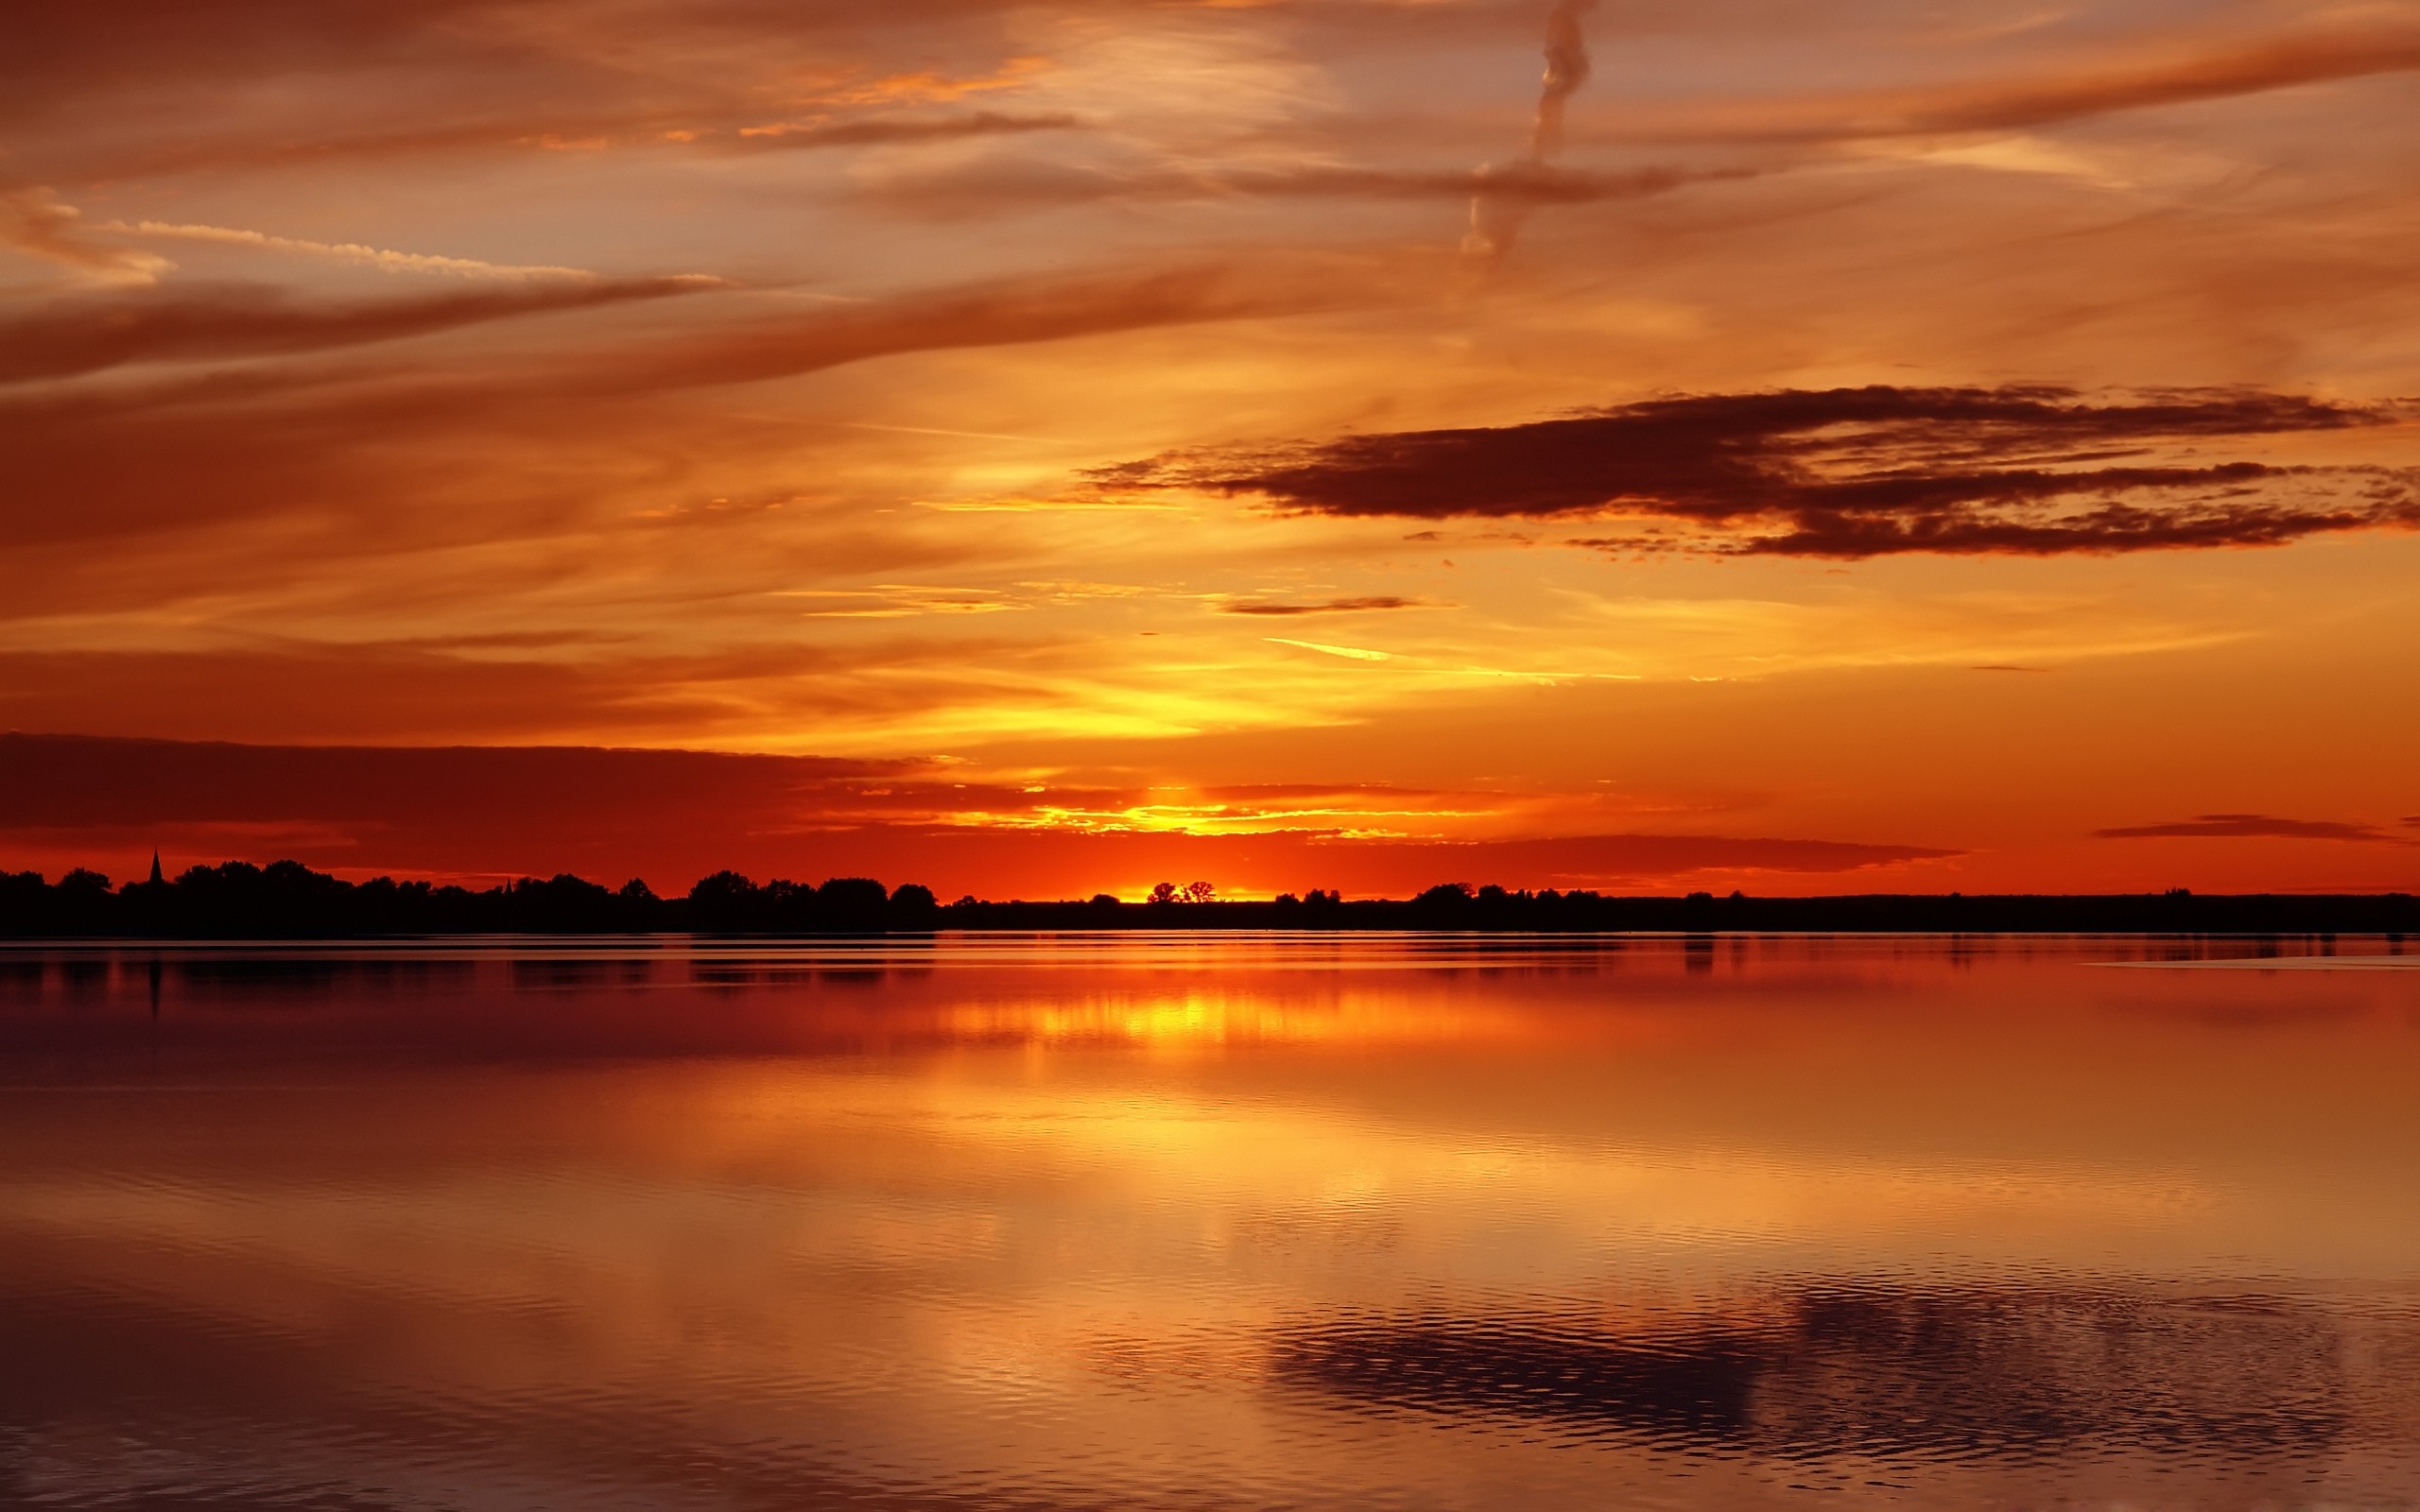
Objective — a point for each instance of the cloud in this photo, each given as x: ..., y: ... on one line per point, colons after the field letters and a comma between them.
x: 675, y: 815
x: 1523, y: 183
x: 1567, y: 68
x: 69, y: 780
x: 205, y: 321
x: 2084, y: 89
x: 709, y: 125
x: 2251, y: 826
x: 1498, y: 211
x: 1327, y: 606
x: 984, y: 188
x: 993, y: 313
x: 1847, y: 473
x: 1611, y: 860
x: 1352, y: 653
x: 382, y: 259
x: 401, y: 451
x: 159, y: 88
x: 35, y: 222
x: 886, y: 131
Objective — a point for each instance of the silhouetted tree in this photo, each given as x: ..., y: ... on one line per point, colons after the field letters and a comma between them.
x: 851, y: 903
x: 1445, y: 895
x: 783, y: 905
x: 561, y: 905
x: 723, y: 901
x: 1163, y: 893
x: 912, y: 906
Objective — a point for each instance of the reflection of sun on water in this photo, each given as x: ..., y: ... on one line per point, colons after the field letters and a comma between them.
x: 1199, y: 1018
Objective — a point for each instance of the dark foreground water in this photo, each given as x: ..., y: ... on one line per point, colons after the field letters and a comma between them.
x: 1211, y: 1222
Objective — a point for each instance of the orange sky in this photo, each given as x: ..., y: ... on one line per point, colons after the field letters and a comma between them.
x: 1862, y: 447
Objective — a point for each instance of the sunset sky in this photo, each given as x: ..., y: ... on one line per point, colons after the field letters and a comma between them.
x: 1035, y: 449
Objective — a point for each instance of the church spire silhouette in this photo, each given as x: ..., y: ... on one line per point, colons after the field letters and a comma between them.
x: 156, y: 878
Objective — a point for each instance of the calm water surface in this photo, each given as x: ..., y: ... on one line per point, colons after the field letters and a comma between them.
x: 1212, y: 1222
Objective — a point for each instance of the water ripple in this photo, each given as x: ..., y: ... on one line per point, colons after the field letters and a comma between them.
x: 2009, y: 1372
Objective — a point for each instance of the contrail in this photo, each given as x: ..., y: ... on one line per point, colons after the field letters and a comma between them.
x: 1567, y: 70
x: 377, y: 257
x: 1498, y: 215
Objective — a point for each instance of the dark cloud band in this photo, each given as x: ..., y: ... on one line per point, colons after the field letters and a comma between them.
x: 1847, y: 473
x: 2249, y: 826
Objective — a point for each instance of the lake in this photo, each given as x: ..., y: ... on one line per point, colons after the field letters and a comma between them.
x: 1211, y: 1221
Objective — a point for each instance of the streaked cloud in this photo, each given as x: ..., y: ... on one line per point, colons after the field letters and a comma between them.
x: 1327, y: 606
x: 2151, y: 72
x: 1353, y: 653
x: 35, y: 222
x: 202, y: 321
x: 383, y: 259
x: 803, y: 135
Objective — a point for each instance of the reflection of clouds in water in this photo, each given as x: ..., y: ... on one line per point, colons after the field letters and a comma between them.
x: 2016, y: 1374
x: 969, y: 1221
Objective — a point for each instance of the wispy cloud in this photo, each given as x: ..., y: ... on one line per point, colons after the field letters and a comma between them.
x: 1499, y: 209
x: 37, y: 223
x: 979, y: 189
x: 995, y: 313
x: 220, y: 320
x: 1351, y: 652
x: 891, y: 130
x: 384, y: 259
x: 2160, y: 73
x: 1325, y: 606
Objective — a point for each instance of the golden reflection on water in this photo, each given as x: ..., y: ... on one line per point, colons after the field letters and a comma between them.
x: 1706, y: 1223
x: 1196, y: 1019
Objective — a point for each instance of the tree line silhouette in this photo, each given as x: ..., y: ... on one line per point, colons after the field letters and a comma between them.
x: 287, y: 900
